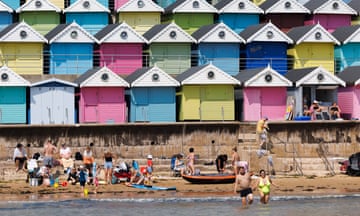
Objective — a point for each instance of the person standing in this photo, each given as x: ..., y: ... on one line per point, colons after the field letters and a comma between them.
x: 88, y: 161
x: 243, y: 183
x: 261, y: 129
x: 235, y: 159
x: 49, y: 152
x: 191, y: 161
x: 20, y: 157
x: 65, y: 158
x: 108, y: 165
x: 263, y: 184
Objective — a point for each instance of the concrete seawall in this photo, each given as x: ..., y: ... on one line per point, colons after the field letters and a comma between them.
x: 289, y: 140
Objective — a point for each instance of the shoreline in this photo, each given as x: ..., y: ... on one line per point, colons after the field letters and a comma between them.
x: 288, y: 187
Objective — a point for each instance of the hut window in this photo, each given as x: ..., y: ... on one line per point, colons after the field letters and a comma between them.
x: 140, y: 4
x: 241, y: 5
x: 74, y: 34
x: 172, y: 34
x: 268, y: 78
x: 320, y: 76
x: 104, y: 76
x: 287, y: 4
x: 335, y: 5
x: 155, y: 77
x: 38, y: 4
x: 86, y: 4
x: 318, y: 35
x: 195, y: 4
x: 123, y: 35
x: 221, y: 34
x: 269, y: 34
x: 211, y: 74
x: 23, y: 34
x: 4, y: 76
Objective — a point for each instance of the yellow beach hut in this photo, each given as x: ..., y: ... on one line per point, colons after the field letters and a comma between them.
x: 206, y: 94
x: 21, y: 49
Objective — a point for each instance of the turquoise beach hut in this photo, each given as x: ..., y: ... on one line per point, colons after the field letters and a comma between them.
x: 70, y: 49
x: 152, y: 95
x: 238, y: 14
x: 89, y: 14
x: 14, y: 4
x: 218, y: 44
x: 6, y: 15
x: 12, y: 97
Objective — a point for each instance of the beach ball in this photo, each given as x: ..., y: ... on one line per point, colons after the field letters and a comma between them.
x: 64, y: 183
x: 56, y: 185
x: 86, y: 192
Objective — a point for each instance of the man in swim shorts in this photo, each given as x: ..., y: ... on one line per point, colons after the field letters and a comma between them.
x: 243, y: 182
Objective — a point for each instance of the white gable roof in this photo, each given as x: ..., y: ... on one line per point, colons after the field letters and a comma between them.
x: 276, y: 35
x: 163, y: 80
x: 82, y: 35
x: 195, y: 6
x: 115, y: 36
x: 38, y: 5
x: 312, y: 36
x: 86, y: 6
x: 53, y: 79
x: 104, y: 78
x: 260, y: 80
x: 4, y: 7
x: 218, y: 77
x: 335, y: 7
x: 9, y: 78
x: 287, y: 6
x: 229, y: 35
x: 164, y: 35
x: 139, y: 6
x: 22, y: 32
x: 327, y: 78
x: 247, y: 8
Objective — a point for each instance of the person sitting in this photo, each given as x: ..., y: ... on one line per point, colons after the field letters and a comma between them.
x: 314, y: 109
x: 335, y: 112
x: 73, y: 177
x: 20, y: 157
x: 221, y: 163
x: 65, y: 158
x: 179, y: 164
x: 136, y: 177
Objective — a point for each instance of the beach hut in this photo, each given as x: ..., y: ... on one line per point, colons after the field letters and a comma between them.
x: 312, y: 83
x: 169, y: 48
x: 103, y: 2
x: 218, y: 44
x: 102, y: 96
x: 206, y: 94
x: 313, y: 46
x: 70, y: 49
x: 13, y: 4
x: 348, y: 98
x: 89, y: 14
x: 265, y: 45
x: 6, y: 15
x: 152, y: 95
x: 21, y: 48
x: 190, y: 14
x: 41, y: 15
x: 120, y: 48
x: 331, y: 14
x: 13, y: 97
x: 238, y: 14
x: 347, y: 52
x: 285, y: 14
x: 264, y: 93
x: 141, y: 15
x: 52, y: 100
x: 355, y: 4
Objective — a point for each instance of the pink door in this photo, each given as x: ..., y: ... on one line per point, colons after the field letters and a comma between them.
x: 90, y: 99
x: 252, y: 105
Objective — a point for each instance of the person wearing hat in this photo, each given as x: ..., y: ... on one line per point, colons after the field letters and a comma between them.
x: 65, y: 158
x: 314, y: 108
x: 20, y: 157
x: 261, y: 130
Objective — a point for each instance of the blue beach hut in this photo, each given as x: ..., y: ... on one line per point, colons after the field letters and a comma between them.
x: 346, y: 53
x: 89, y: 14
x: 103, y: 2
x: 238, y: 14
x: 265, y: 45
x: 14, y: 4
x: 6, y: 15
x: 70, y: 49
x: 218, y: 44
x: 152, y: 95
x: 12, y: 97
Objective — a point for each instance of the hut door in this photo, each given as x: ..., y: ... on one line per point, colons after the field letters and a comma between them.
x: 252, y: 105
x: 91, y: 105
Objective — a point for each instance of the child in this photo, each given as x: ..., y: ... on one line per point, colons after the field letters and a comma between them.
x: 73, y: 176
x: 83, y: 175
x: 191, y: 161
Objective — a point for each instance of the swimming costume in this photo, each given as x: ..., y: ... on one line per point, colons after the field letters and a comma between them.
x: 264, y: 186
x: 245, y: 192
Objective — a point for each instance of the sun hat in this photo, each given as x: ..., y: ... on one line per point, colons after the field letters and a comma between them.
x: 315, y: 101
x: 149, y: 157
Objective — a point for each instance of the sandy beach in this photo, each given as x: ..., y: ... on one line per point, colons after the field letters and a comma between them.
x: 287, y: 186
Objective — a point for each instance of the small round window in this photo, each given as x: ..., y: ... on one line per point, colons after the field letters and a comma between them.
x: 211, y: 74
x: 172, y: 34
x: 196, y: 4
x: 123, y: 35
x: 287, y: 4
x: 86, y: 4
x: 320, y: 76
x: 23, y: 34
x: 140, y: 4
x: 155, y: 76
x: 4, y: 76
x: 268, y: 78
x: 269, y: 34
x: 335, y: 5
x: 104, y: 76
x: 221, y: 34
x: 318, y: 35
x: 241, y: 5
x: 38, y: 4
x: 74, y: 34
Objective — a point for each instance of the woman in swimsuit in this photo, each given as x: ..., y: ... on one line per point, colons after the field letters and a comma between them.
x: 263, y: 183
x: 191, y: 161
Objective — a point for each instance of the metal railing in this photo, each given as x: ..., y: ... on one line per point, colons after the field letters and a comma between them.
x: 323, y: 152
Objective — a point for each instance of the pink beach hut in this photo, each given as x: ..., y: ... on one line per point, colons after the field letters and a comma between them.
x: 120, y: 48
x: 264, y: 93
x: 102, y: 96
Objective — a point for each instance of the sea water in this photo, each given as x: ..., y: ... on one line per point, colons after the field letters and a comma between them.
x: 209, y: 206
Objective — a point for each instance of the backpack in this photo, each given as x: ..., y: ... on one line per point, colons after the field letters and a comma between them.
x: 78, y: 156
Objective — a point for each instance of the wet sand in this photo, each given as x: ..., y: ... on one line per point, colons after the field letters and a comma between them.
x: 287, y: 186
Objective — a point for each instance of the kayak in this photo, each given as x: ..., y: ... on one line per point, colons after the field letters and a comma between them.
x: 151, y: 187
x: 215, y: 178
